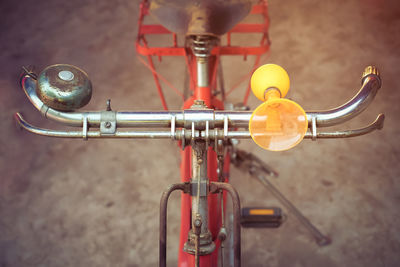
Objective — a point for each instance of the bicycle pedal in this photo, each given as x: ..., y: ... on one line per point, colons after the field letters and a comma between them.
x: 261, y: 217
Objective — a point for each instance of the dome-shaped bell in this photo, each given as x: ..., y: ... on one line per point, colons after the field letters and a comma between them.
x: 64, y: 87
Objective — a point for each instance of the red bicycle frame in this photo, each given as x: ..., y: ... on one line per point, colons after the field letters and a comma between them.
x: 209, y: 95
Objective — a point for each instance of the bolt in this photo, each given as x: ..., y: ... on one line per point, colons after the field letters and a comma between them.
x: 108, y: 124
x: 197, y: 223
x: 199, y: 102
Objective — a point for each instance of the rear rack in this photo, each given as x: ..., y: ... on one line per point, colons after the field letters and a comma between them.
x: 174, y: 49
x: 144, y: 49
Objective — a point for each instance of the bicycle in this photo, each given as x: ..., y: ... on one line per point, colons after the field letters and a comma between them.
x: 196, y: 126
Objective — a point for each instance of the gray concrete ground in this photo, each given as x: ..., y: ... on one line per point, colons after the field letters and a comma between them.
x: 95, y: 203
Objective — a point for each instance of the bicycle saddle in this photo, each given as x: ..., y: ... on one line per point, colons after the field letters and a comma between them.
x: 199, y: 17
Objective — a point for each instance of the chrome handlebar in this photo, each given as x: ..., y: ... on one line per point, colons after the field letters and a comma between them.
x: 194, y: 123
x: 370, y: 84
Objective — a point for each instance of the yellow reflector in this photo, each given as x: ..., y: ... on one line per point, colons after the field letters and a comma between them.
x: 278, y: 124
x: 261, y: 212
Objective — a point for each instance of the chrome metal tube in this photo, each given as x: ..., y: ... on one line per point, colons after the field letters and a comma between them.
x: 202, y: 71
x: 68, y: 118
x: 352, y: 108
x: 178, y: 134
x: 237, y: 119
x: 160, y: 119
x: 124, y: 134
x: 29, y: 86
x: 148, y: 118
x: 127, y: 118
x: 376, y: 125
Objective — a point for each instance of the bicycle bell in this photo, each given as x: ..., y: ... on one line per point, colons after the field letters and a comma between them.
x: 64, y: 87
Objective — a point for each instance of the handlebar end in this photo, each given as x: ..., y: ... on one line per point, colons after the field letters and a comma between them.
x: 371, y: 71
x: 18, y: 120
x: 380, y: 121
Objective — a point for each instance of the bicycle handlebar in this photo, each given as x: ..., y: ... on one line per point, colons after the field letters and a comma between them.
x: 371, y: 83
x: 204, y: 123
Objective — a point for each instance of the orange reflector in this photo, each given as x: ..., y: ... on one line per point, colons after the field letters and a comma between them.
x: 261, y: 212
x: 278, y: 124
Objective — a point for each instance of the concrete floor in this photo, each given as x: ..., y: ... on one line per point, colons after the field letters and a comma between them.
x: 95, y: 203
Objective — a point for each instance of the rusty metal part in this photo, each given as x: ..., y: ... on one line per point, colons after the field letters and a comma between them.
x: 185, y: 187
x: 198, y: 17
x: 197, y: 230
x: 216, y: 187
x: 220, y: 168
x: 222, y: 231
x: 202, y: 45
x: 64, y: 87
x: 199, y: 243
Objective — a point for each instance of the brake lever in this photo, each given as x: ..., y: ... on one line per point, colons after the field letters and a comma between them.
x: 375, y: 125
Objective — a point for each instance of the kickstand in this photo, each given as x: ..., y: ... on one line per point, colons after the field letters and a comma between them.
x: 257, y: 168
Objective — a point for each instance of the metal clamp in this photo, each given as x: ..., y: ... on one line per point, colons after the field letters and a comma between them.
x: 108, y: 122
x: 183, y: 138
x: 173, y: 127
x: 314, y: 128
x: 199, y: 116
x: 226, y: 125
x: 85, y: 128
x: 199, y: 188
x: 207, y: 133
